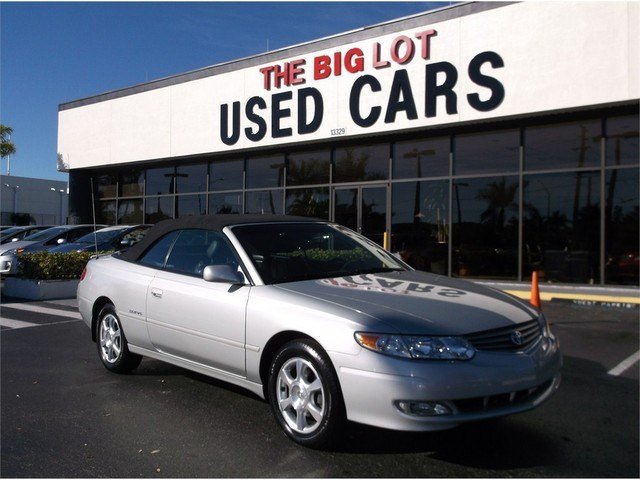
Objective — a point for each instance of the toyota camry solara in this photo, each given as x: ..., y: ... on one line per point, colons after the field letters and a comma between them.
x: 323, y: 323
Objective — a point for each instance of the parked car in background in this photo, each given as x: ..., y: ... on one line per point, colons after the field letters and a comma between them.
x: 105, y: 239
x: 320, y: 321
x: 38, y: 241
x: 15, y: 234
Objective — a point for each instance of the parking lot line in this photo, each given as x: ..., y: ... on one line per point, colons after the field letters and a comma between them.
x: 7, y: 322
x: 38, y: 309
x: 625, y: 364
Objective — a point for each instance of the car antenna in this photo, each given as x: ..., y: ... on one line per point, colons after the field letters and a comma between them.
x: 93, y: 208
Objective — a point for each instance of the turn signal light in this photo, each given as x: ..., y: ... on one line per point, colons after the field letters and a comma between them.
x: 83, y: 274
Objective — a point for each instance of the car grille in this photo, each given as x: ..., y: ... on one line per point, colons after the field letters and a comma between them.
x: 512, y: 339
x: 492, y: 402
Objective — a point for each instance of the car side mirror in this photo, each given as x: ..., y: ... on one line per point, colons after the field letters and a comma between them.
x: 14, y: 239
x: 60, y: 241
x: 222, y: 274
x: 127, y: 242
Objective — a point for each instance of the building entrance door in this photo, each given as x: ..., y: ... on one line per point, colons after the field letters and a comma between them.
x: 363, y: 209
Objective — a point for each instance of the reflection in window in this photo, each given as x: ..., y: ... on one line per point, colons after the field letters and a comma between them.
x: 622, y: 140
x: 419, y: 229
x: 265, y: 172
x: 221, y: 203
x: 566, y: 145
x: 561, y: 224
x: 158, y: 209
x: 265, y: 202
x: 130, y: 212
x: 309, y: 168
x: 622, y: 238
x: 160, y: 181
x: 187, y: 205
x: 308, y: 202
x: 106, y: 185
x: 131, y: 182
x: 106, y: 212
x: 426, y: 158
x: 191, y: 178
x: 226, y: 175
x: 357, y: 164
x: 485, y: 227
x: 487, y: 152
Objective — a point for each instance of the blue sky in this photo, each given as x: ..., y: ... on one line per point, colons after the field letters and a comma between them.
x: 52, y: 53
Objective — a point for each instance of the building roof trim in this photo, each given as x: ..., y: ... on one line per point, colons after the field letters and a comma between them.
x: 364, y: 33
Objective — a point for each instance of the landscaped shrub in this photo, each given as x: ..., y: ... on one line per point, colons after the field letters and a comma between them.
x: 52, y: 266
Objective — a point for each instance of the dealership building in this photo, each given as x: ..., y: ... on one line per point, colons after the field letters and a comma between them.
x: 481, y: 140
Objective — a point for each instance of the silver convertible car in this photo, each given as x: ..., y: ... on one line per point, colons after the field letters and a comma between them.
x: 323, y: 323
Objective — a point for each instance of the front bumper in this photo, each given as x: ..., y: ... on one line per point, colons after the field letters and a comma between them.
x: 8, y: 264
x: 492, y: 384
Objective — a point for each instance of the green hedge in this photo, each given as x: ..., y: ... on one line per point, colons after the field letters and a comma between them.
x: 52, y: 266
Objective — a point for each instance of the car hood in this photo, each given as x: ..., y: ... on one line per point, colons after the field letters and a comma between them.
x: 13, y: 245
x: 73, y: 247
x: 412, y: 302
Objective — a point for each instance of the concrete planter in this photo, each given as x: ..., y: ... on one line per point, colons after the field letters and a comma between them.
x: 39, y: 289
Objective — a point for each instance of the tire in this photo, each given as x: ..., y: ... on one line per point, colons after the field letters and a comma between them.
x: 113, y: 349
x: 304, y: 394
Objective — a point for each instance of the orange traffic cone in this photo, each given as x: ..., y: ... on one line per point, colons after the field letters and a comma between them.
x: 535, y: 293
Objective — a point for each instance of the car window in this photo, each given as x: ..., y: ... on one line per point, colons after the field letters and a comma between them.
x: 292, y: 252
x: 134, y: 236
x: 195, y: 249
x: 156, y: 254
x: 77, y: 233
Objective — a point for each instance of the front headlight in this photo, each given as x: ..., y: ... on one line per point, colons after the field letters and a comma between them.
x: 544, y: 325
x: 419, y: 347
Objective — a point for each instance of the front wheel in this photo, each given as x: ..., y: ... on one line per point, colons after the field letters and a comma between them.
x: 304, y: 394
x: 112, y: 344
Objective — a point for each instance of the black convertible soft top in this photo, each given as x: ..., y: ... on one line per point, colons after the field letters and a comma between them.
x: 205, y: 222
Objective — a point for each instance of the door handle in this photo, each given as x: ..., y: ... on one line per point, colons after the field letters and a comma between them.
x: 156, y: 292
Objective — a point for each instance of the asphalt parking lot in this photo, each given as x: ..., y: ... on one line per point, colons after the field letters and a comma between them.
x: 64, y: 415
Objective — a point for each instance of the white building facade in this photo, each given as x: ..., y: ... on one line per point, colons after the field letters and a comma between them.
x: 486, y: 139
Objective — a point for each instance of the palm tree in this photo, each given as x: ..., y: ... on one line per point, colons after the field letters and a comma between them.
x: 6, y: 146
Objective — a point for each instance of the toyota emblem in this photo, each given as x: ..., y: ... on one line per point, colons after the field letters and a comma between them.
x: 517, y: 338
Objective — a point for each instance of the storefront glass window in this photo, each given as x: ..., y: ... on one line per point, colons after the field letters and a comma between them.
x: 191, y: 178
x: 425, y: 158
x: 566, y: 145
x: 131, y: 182
x: 357, y: 164
x: 309, y: 168
x: 106, y: 185
x: 187, y: 205
x: 485, y: 227
x: 265, y: 172
x: 561, y: 225
x: 264, y: 202
x: 160, y: 181
x: 419, y: 224
x: 226, y: 175
x: 130, y: 212
x: 106, y: 212
x: 622, y: 141
x: 490, y: 152
x: 308, y: 202
x: 158, y: 208
x: 228, y: 202
x: 621, y: 226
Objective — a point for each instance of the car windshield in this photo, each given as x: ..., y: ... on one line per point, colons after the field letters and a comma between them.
x: 45, y: 234
x: 9, y: 232
x: 292, y: 252
x: 101, y: 236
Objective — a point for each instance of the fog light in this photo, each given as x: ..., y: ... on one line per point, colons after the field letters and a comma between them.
x: 423, y: 409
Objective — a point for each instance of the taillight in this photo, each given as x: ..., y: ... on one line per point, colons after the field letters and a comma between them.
x: 83, y: 274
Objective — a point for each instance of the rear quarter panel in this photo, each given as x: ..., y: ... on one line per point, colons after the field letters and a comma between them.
x: 125, y: 284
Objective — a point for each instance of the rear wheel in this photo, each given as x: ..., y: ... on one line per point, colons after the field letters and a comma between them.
x: 304, y: 394
x: 112, y: 343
